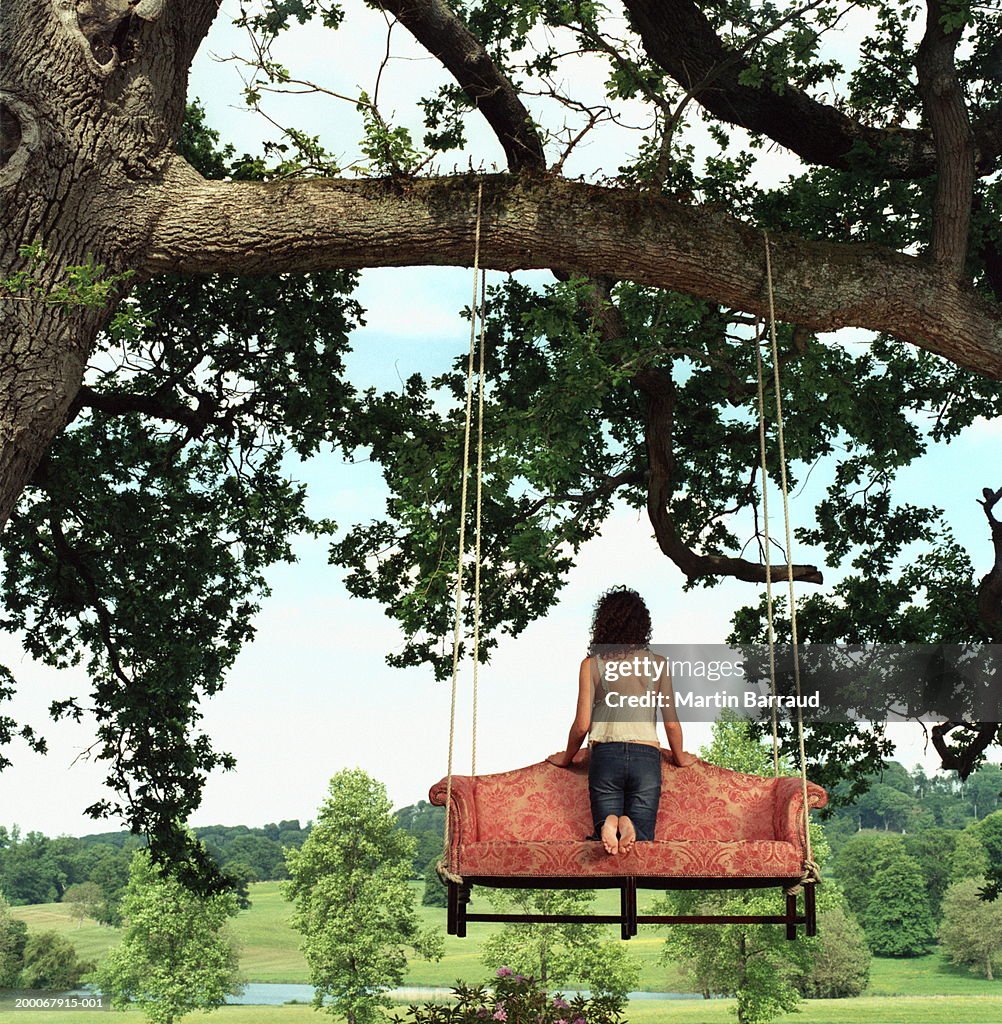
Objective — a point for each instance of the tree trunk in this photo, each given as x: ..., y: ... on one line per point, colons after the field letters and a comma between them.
x: 92, y: 100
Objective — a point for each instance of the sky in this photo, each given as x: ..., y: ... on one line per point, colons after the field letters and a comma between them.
x: 312, y: 693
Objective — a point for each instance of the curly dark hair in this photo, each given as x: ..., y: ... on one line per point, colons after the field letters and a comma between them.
x: 621, y: 622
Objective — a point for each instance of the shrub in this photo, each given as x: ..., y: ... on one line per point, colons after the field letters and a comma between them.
x: 513, y: 999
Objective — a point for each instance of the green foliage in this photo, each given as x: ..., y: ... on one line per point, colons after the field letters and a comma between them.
x: 435, y: 894
x: 352, y: 903
x: 896, y: 915
x: 971, y: 930
x: 989, y: 834
x: 86, y: 284
x: 13, y: 939
x: 840, y: 968
x: 176, y: 954
x: 734, y: 746
x: 559, y: 954
x: 969, y: 858
x: 515, y: 999
x: 755, y: 964
x: 983, y: 789
x: 51, y: 962
x: 426, y: 823
x: 933, y: 850
x: 85, y: 900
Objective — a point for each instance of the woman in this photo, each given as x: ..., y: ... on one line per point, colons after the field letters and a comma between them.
x: 621, y: 686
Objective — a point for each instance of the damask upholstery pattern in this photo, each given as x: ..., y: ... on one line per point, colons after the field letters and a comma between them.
x: 712, y: 823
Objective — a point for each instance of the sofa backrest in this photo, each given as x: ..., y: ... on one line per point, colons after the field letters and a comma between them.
x: 542, y: 802
x: 707, y: 802
x: 538, y: 802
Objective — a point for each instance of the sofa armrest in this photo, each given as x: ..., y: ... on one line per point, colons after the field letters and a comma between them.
x: 788, y: 809
x: 462, y: 816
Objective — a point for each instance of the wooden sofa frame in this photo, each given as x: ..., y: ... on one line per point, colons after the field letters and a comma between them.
x: 459, y: 894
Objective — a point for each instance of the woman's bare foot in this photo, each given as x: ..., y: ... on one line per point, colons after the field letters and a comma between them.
x: 610, y: 839
x: 627, y: 834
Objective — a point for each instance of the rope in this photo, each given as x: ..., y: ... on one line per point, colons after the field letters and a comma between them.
x: 479, y: 517
x: 789, y: 548
x: 456, y: 635
x: 768, y: 562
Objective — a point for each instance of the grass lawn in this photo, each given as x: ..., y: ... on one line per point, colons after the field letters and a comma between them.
x: 877, y: 1010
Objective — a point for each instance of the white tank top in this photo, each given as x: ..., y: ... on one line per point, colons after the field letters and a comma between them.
x: 613, y: 720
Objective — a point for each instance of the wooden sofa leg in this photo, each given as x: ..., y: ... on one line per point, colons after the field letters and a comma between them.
x: 624, y: 908
x: 462, y: 899
x: 452, y: 907
x: 810, y: 910
x: 791, y: 915
x: 633, y: 905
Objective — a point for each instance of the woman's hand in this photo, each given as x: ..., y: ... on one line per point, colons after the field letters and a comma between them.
x: 561, y: 759
x: 683, y: 759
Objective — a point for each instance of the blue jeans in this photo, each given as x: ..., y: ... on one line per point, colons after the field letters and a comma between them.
x: 625, y: 778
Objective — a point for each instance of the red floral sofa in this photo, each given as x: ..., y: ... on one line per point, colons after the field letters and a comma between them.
x: 715, y: 829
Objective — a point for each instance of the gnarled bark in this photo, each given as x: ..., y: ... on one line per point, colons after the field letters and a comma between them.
x: 577, y: 228
x: 943, y: 99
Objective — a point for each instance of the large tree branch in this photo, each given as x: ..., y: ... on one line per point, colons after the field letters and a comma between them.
x: 443, y: 35
x: 118, y: 403
x: 679, y: 38
x: 990, y: 587
x: 659, y: 393
x: 946, y: 111
x: 250, y: 227
x: 963, y: 759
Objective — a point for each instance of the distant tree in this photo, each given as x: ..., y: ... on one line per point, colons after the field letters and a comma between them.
x: 887, y: 807
x: 13, y: 939
x: 840, y: 967
x: 263, y: 855
x: 983, y: 790
x: 933, y: 849
x: 895, y: 775
x: 858, y: 859
x: 425, y: 823
x: 989, y: 833
x: 755, y: 964
x: 557, y: 955
x: 176, y: 953
x: 352, y: 901
x: 920, y: 781
x: 971, y: 930
x: 896, y: 916
x: 435, y: 894
x: 24, y: 876
x: 733, y: 746
x: 969, y: 858
x: 51, y: 962
x: 110, y: 870
x: 84, y: 899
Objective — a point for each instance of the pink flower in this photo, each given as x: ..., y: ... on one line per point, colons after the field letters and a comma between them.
x: 580, y: 1020
x: 499, y: 1015
x: 561, y: 1004
x: 504, y: 972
